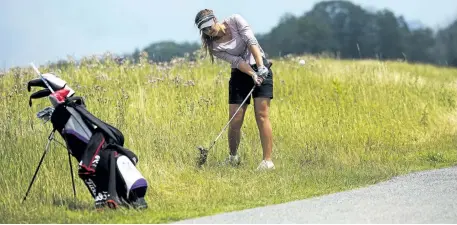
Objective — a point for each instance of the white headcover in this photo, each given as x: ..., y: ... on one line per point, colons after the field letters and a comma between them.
x: 56, y: 81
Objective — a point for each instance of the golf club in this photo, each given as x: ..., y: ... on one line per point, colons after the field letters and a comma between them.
x: 42, y: 78
x: 203, y: 151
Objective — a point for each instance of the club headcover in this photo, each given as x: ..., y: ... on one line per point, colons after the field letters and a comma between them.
x: 54, y: 82
x: 39, y: 94
x: 35, y: 83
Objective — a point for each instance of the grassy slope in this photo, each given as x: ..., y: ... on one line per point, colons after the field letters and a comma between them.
x: 337, y: 125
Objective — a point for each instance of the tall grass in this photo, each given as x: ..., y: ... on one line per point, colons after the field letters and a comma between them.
x: 337, y: 125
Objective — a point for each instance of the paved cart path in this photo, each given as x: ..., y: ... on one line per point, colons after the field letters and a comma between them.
x: 421, y: 197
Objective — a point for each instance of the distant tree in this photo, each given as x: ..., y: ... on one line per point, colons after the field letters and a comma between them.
x: 420, y: 44
x: 349, y: 26
x: 166, y: 50
x: 136, y: 54
x: 392, y: 35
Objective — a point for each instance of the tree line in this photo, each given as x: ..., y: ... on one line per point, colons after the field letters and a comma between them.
x: 344, y: 30
x: 340, y: 29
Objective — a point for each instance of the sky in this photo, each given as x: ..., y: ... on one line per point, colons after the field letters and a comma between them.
x: 49, y: 30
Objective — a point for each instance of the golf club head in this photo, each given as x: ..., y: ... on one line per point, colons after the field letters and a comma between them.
x: 203, y: 156
x: 45, y: 114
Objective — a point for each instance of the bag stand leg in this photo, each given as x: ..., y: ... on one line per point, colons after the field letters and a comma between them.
x: 47, y: 148
x: 72, y: 176
x: 51, y: 136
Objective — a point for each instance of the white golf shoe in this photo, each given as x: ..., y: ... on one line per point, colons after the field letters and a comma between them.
x: 266, y: 165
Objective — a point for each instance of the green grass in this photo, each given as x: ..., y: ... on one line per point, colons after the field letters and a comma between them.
x: 337, y: 125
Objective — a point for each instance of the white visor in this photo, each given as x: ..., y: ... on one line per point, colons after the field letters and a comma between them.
x: 207, y: 24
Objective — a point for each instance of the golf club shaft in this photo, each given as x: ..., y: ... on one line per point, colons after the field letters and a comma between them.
x: 233, y: 116
x: 42, y: 78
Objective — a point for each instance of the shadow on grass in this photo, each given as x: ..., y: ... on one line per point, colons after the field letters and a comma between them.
x: 72, y: 204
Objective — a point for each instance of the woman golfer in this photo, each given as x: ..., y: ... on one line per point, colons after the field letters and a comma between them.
x: 233, y: 40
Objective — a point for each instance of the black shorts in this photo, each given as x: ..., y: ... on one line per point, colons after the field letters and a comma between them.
x: 240, y: 85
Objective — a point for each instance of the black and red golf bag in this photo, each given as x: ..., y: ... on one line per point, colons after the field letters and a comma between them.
x: 107, y: 168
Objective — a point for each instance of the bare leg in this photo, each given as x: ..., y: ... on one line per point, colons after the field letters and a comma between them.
x: 234, y: 131
x: 261, y: 108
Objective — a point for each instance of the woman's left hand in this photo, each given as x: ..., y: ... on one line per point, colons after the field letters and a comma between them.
x: 263, y: 72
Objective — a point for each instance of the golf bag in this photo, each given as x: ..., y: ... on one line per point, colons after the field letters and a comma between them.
x: 107, y: 168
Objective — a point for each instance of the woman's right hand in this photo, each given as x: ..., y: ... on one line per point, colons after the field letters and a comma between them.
x: 247, y: 69
x: 257, y: 79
